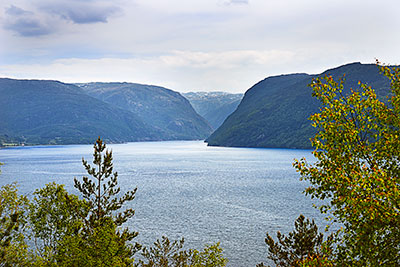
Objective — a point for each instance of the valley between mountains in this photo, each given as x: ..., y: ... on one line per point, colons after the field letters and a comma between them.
x: 272, y: 113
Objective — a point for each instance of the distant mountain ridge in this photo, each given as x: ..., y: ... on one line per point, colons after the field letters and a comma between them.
x: 165, y: 110
x: 215, y: 107
x: 274, y: 112
x: 52, y: 112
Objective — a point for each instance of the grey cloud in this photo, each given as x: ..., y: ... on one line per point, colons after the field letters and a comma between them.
x: 16, y: 11
x: 25, y: 23
x: 49, y: 16
x: 80, y: 12
x: 28, y: 27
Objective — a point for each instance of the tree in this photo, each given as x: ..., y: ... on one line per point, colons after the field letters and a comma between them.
x: 210, y: 256
x: 13, y: 249
x: 357, y: 148
x: 102, y: 246
x: 101, y: 241
x: 52, y: 219
x: 165, y: 253
x: 304, y: 244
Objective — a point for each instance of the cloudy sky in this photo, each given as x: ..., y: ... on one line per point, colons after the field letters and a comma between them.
x: 192, y: 45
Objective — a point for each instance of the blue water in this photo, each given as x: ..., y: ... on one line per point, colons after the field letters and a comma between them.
x: 206, y: 194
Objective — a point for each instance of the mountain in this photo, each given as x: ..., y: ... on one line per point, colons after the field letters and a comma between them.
x: 52, y: 112
x: 165, y: 110
x: 274, y: 112
x: 215, y: 107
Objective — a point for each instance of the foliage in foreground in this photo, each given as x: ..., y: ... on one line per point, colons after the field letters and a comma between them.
x: 101, y: 233
x: 52, y: 218
x: 357, y: 170
x: 302, y: 247
x: 69, y: 231
x: 165, y: 253
x: 13, y: 249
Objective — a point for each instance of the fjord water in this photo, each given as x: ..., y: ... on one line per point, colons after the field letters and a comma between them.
x: 206, y: 194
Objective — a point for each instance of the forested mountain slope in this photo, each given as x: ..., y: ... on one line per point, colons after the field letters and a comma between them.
x: 52, y: 112
x: 275, y: 111
x: 165, y: 110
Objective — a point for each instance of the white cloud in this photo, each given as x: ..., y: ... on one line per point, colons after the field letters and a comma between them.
x: 224, y: 60
x: 236, y: 2
x: 180, y: 70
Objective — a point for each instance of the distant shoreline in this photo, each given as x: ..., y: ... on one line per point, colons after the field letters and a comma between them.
x: 11, y: 145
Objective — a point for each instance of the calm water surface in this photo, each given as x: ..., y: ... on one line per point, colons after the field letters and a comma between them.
x: 206, y: 194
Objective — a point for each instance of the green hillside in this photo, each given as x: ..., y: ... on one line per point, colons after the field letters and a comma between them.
x: 51, y: 112
x: 275, y: 111
x: 165, y: 110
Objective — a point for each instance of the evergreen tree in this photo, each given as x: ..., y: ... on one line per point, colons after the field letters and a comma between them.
x: 101, y: 241
x: 302, y: 245
x: 165, y: 253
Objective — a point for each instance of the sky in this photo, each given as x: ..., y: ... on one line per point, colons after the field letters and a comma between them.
x: 192, y: 45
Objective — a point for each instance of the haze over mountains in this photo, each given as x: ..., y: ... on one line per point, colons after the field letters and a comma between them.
x: 275, y: 111
x: 215, y: 107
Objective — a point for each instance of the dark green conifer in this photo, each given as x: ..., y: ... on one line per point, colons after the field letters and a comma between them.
x: 304, y: 242
x: 102, y: 237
